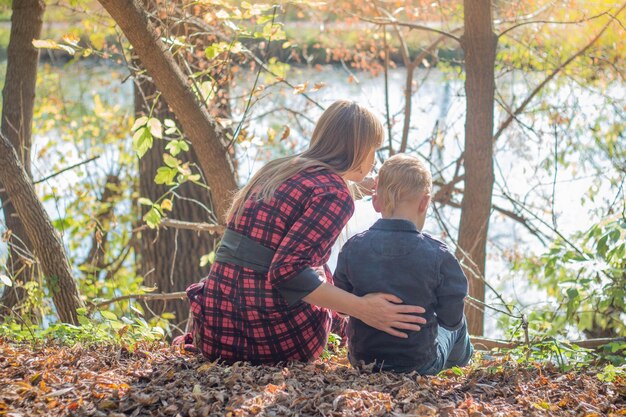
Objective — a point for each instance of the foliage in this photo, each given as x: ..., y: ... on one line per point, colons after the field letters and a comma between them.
x: 612, y: 373
x: 587, y: 280
x: 269, y: 42
x: 108, y: 329
x: 333, y: 347
x: 565, y: 356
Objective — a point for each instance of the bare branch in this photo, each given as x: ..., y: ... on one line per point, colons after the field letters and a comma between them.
x: 550, y: 22
x: 526, y: 17
x: 482, y: 343
x: 386, y: 73
x: 54, y: 174
x: 163, y: 296
x: 203, y: 25
x: 215, y: 229
x: 409, y: 25
x: 553, y: 74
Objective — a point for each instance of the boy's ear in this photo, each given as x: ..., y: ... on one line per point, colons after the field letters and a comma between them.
x: 376, y: 203
x: 424, y: 203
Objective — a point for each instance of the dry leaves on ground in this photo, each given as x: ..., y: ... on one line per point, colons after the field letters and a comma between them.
x: 161, y: 381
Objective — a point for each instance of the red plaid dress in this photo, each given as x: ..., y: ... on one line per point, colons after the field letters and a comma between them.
x: 239, y: 314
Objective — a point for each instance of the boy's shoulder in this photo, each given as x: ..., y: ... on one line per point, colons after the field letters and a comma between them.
x: 369, y: 234
x: 357, y: 239
x: 440, y: 244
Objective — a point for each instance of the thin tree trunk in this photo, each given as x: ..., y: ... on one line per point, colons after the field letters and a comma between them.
x: 46, y: 243
x: 479, y: 44
x: 18, y: 97
x: 201, y: 129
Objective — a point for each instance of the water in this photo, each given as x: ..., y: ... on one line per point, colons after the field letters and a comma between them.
x: 436, y: 133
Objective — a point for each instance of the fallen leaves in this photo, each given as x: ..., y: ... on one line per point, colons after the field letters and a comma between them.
x: 158, y: 380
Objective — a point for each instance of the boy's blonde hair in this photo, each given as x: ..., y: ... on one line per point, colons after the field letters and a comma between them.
x: 402, y: 177
x: 343, y: 137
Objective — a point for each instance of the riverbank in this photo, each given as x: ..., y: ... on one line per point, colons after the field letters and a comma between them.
x: 308, y: 44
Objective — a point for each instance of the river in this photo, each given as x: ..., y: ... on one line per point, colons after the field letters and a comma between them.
x: 436, y: 132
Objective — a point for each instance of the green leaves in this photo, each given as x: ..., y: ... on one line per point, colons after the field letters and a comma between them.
x: 177, y: 146
x: 207, y: 259
x: 144, y: 131
x: 108, y: 315
x: 154, y: 215
x: 142, y: 141
x: 165, y: 175
x: 585, y: 276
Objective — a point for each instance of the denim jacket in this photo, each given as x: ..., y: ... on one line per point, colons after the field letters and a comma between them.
x: 394, y: 257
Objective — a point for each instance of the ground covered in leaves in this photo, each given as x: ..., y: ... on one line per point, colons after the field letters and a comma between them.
x: 161, y: 381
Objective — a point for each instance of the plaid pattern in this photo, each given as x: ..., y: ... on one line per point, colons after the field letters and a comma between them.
x: 239, y: 314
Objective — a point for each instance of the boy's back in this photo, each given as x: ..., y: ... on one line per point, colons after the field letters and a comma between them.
x: 394, y: 257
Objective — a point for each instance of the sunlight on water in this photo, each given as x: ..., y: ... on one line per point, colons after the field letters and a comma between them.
x: 438, y: 104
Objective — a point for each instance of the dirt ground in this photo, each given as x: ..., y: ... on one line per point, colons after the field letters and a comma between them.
x: 159, y: 380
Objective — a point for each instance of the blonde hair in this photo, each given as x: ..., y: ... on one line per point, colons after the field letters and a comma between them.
x: 343, y: 137
x: 402, y: 177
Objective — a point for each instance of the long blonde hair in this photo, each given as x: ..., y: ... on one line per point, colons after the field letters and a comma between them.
x: 343, y: 137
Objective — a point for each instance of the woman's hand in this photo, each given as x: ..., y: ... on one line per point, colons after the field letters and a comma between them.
x: 365, y: 188
x: 386, y: 312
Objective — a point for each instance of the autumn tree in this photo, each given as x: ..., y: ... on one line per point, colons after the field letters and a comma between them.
x: 18, y: 97
x: 47, y: 245
x: 473, y: 178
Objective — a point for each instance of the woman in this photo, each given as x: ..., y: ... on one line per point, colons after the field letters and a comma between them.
x: 269, y: 294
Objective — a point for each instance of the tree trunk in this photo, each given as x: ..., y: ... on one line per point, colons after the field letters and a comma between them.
x: 479, y: 45
x: 170, y: 258
x: 201, y: 129
x: 46, y: 243
x: 18, y: 97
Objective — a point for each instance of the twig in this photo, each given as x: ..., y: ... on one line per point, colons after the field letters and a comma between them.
x: 215, y: 229
x: 410, y: 26
x: 163, y: 296
x: 386, y: 72
x: 532, y: 95
x: 554, y: 177
x: 65, y: 169
x: 503, y: 344
x: 253, y: 89
x: 571, y: 22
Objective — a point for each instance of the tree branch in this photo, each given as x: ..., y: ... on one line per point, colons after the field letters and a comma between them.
x: 215, y: 229
x: 204, y: 132
x: 409, y: 25
x: 54, y: 174
x: 162, y: 296
x: 573, y: 22
x: 532, y: 95
x: 482, y: 343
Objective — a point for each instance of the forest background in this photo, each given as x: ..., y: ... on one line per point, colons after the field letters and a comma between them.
x: 133, y: 124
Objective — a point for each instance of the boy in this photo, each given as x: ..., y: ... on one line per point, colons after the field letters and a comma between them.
x: 395, y: 257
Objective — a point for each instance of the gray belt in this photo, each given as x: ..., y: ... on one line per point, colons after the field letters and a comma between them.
x: 238, y: 249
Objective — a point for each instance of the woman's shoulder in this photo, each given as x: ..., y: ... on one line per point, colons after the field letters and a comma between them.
x: 319, y: 179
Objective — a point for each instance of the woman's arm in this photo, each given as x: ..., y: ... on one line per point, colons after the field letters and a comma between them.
x: 308, y: 240
x: 381, y: 311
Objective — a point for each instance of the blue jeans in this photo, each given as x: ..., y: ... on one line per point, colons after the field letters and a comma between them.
x: 453, y: 349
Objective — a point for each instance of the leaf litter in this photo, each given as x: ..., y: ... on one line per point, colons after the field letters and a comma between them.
x: 159, y: 380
